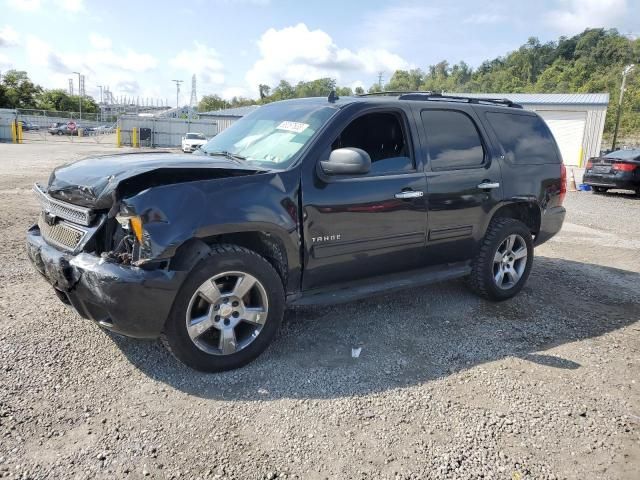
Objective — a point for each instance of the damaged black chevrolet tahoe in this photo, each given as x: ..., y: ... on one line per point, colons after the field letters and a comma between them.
x: 307, y: 201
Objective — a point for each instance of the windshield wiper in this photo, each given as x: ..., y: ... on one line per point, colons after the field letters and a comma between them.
x: 231, y: 156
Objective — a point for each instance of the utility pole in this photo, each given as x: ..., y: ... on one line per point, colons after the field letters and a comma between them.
x: 626, y: 71
x: 79, y: 93
x: 380, y: 74
x: 178, y: 82
x: 100, y: 87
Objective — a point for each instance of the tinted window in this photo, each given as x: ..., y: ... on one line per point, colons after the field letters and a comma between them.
x: 453, y: 140
x: 524, y: 138
x: 381, y: 135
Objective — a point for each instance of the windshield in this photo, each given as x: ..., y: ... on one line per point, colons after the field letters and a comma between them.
x: 624, y: 154
x: 195, y: 136
x: 271, y: 135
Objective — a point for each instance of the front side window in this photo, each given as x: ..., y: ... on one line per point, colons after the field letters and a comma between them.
x: 453, y: 140
x: 271, y: 135
x: 381, y: 135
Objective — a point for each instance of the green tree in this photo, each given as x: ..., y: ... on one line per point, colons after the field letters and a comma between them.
x: 60, y: 100
x: 18, y: 90
x: 209, y: 103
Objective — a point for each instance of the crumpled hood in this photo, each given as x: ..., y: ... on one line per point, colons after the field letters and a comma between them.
x: 97, y: 182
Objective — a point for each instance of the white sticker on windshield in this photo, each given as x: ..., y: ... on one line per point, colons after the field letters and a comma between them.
x: 295, y: 127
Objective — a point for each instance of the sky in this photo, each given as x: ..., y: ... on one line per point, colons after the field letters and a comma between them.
x: 138, y: 48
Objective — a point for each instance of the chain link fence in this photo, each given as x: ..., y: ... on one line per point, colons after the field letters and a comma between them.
x: 162, y: 132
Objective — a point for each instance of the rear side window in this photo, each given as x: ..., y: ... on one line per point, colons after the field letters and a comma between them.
x: 453, y: 140
x: 525, y: 139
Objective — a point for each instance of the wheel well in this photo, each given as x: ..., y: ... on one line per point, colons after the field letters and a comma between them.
x: 527, y: 213
x: 264, y: 244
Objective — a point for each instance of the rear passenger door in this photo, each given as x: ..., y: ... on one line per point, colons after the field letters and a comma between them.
x: 464, y: 181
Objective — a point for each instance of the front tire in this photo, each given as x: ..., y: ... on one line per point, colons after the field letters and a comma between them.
x: 504, y: 260
x: 227, y: 312
x: 600, y: 190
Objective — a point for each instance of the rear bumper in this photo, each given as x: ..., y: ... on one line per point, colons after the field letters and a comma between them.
x: 127, y: 300
x: 550, y: 224
x: 621, y: 180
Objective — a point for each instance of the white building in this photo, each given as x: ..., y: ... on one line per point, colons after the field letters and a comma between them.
x: 575, y: 119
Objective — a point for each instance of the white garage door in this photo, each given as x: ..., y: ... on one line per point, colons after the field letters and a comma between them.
x: 568, y: 130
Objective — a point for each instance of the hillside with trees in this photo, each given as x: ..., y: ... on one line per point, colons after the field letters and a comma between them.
x: 589, y: 62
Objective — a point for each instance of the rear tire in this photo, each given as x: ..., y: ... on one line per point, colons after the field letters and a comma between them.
x: 504, y: 260
x: 225, y: 327
x: 600, y: 190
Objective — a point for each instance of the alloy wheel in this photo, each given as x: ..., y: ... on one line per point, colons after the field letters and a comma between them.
x: 510, y: 261
x: 227, y: 313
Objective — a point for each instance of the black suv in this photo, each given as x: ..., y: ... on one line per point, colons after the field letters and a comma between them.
x: 307, y: 201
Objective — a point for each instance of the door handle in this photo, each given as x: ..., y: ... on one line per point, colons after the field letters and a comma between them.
x: 409, y: 194
x: 488, y: 185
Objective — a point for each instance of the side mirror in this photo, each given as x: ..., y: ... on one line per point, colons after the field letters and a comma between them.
x: 347, y: 161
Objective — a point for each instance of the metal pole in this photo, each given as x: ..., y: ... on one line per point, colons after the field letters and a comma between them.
x: 625, y: 72
x: 100, y: 87
x: 79, y: 95
x: 178, y: 82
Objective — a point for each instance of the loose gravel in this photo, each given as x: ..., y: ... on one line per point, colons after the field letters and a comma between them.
x: 544, y: 386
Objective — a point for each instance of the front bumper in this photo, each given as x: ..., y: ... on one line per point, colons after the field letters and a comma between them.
x: 550, y: 224
x: 621, y: 180
x: 190, y: 148
x: 127, y: 300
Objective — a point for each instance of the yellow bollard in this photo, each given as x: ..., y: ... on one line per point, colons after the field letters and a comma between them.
x: 581, y: 158
x: 134, y: 137
x: 14, y: 132
x: 118, y: 137
x: 19, y: 125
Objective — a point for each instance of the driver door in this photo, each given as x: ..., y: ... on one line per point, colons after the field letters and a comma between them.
x: 357, y: 226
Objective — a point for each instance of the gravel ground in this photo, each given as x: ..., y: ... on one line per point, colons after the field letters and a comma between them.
x: 447, y: 385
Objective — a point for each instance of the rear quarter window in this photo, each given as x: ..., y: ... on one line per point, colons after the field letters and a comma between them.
x: 525, y: 139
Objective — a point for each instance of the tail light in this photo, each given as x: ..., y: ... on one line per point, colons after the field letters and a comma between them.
x: 563, y: 182
x: 589, y: 165
x: 624, y: 167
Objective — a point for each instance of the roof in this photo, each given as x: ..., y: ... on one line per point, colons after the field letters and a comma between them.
x: 545, y: 98
x: 232, y: 112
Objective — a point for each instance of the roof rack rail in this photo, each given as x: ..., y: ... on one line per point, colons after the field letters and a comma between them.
x: 430, y: 95
x: 391, y: 93
x: 453, y: 98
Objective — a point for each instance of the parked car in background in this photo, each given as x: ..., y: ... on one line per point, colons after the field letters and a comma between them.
x: 59, y: 128
x: 27, y: 126
x: 191, y: 141
x: 619, y: 169
x: 104, y: 129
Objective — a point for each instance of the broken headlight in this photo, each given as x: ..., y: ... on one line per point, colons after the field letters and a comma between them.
x: 131, y: 223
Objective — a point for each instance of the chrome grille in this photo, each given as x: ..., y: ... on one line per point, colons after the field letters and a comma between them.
x: 61, y: 234
x: 61, y: 209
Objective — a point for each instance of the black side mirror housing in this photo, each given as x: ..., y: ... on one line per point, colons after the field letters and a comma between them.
x: 347, y: 161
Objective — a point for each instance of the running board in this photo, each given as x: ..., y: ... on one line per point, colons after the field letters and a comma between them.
x: 356, y: 290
